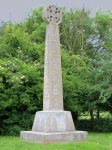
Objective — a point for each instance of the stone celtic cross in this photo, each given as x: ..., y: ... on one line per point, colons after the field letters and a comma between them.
x: 53, y: 124
x: 53, y: 93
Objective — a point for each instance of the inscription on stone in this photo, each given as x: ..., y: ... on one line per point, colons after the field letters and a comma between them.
x: 53, y: 94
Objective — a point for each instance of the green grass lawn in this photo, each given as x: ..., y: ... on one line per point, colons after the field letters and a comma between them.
x: 96, y: 141
x: 101, y: 114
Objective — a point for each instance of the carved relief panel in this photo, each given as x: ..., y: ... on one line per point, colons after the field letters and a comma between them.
x: 53, y: 98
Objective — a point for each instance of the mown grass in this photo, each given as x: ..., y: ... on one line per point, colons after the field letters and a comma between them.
x: 101, y: 114
x: 96, y: 141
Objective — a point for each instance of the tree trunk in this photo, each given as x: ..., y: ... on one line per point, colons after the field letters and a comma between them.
x: 91, y: 114
x: 75, y: 116
x: 98, y: 114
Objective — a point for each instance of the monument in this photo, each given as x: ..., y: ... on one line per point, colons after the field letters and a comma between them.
x: 53, y: 124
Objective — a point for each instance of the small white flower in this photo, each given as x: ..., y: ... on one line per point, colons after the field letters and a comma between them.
x: 22, y: 77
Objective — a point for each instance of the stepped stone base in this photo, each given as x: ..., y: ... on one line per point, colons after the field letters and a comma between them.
x: 53, y: 127
x: 61, y: 137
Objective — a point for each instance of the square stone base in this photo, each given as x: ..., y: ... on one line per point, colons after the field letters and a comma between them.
x: 53, y: 121
x: 56, y: 137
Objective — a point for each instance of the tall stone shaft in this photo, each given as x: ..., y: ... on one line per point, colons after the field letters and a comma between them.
x: 53, y: 93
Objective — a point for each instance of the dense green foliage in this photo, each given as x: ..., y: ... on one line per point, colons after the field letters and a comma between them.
x: 86, y: 51
x: 96, y: 125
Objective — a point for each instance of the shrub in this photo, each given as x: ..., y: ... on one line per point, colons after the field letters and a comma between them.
x: 97, y: 125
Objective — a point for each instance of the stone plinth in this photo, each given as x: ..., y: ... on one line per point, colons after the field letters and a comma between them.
x: 56, y: 137
x: 53, y: 121
x: 53, y: 127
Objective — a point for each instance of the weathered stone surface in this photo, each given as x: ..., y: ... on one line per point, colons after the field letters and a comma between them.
x: 52, y: 15
x: 53, y: 93
x: 53, y: 121
x: 61, y: 137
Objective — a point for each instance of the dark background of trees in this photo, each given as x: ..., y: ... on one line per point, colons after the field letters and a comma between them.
x: 86, y: 57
